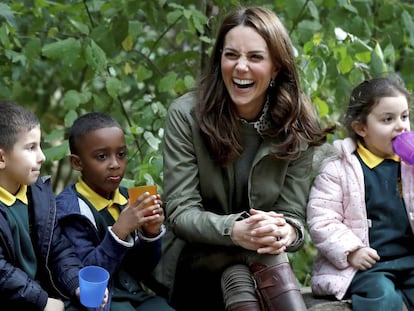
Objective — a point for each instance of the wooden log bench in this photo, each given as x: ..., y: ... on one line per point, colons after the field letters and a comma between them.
x: 320, y: 304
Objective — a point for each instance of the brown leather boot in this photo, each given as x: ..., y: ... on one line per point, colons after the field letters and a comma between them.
x: 239, y: 292
x: 278, y: 288
x: 246, y: 306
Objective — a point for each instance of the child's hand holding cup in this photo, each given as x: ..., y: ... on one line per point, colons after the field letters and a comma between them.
x: 135, y: 192
x: 93, y: 281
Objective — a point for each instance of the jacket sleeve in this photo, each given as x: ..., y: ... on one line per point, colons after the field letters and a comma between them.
x: 185, y: 212
x: 294, y: 194
x: 62, y: 262
x: 17, y: 288
x: 329, y: 226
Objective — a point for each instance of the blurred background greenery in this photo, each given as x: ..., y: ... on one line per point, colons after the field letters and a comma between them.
x: 132, y: 58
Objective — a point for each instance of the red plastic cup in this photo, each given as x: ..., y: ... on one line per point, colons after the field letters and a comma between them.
x: 403, y: 146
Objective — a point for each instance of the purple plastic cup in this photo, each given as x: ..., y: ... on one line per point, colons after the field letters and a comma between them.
x: 403, y: 146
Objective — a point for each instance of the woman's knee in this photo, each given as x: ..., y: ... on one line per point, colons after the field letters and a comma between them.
x: 238, y: 285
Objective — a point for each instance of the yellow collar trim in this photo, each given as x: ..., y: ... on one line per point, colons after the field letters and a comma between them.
x: 9, y: 199
x: 370, y: 159
x: 95, y: 199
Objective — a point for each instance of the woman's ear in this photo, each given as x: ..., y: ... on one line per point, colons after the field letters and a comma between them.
x: 359, y: 128
x: 275, y: 72
x: 2, y: 159
x: 76, y: 162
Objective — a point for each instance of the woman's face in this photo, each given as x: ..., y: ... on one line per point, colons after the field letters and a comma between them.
x: 247, y: 68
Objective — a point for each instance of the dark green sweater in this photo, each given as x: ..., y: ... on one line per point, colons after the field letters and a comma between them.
x: 389, y: 233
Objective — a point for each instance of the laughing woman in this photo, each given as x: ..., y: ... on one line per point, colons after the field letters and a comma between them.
x: 237, y: 161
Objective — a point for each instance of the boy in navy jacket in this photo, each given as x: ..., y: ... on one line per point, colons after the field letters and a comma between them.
x: 38, y: 266
x: 107, y: 230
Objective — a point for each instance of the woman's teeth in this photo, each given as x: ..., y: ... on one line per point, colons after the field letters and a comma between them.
x: 243, y: 83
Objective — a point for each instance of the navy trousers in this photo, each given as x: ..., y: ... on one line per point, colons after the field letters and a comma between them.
x: 384, y: 287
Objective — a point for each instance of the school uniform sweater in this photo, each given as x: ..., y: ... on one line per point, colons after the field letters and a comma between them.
x: 389, y: 229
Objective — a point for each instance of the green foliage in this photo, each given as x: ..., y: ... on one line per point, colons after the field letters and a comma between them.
x: 132, y: 58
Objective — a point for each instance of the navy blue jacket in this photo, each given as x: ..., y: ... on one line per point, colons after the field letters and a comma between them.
x: 99, y: 248
x: 58, y: 265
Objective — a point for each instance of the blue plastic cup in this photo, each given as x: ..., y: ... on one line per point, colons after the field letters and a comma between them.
x: 93, y: 281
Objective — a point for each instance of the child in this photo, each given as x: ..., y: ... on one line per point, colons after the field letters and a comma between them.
x: 106, y: 229
x: 361, y: 206
x: 38, y: 266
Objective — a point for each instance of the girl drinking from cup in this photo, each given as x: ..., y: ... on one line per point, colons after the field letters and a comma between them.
x: 361, y: 206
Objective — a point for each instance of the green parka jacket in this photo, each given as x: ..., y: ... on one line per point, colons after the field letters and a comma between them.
x: 198, y: 192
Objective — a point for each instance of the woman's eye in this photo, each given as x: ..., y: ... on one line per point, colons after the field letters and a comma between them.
x: 257, y: 57
x: 230, y: 55
x: 122, y: 154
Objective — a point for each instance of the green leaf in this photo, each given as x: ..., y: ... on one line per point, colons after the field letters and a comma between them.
x: 189, y: 81
x: 377, y: 61
x: 408, y: 25
x: 95, y: 57
x: 32, y: 49
x: 364, y: 57
x: 136, y: 130
x: 4, y: 37
x: 70, y: 117
x: 143, y: 73
x: 346, y: 64
x: 167, y: 83
x: 57, y: 152
x: 54, y: 136
x: 113, y: 86
x: 322, y: 107
x: 15, y: 57
x: 67, y: 50
x: 172, y: 17
x: 72, y: 99
x: 8, y: 14
x: 153, y: 141
x: 199, y: 21
x: 83, y: 28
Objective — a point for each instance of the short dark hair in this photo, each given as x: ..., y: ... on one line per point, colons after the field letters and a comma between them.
x: 87, y: 123
x: 14, y: 119
x: 366, y: 95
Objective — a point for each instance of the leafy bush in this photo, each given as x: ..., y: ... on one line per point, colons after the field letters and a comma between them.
x: 132, y: 58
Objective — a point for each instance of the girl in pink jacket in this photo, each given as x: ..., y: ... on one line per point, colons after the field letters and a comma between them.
x: 361, y: 206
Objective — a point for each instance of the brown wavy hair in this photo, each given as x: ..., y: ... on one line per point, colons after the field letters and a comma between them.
x: 294, y: 119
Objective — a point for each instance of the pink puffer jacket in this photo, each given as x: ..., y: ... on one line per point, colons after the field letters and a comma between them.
x: 337, y: 219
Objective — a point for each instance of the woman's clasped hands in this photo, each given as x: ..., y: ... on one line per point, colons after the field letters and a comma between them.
x: 264, y: 232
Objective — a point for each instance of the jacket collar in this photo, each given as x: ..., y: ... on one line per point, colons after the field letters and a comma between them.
x: 371, y: 159
x: 95, y: 199
x: 9, y: 199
